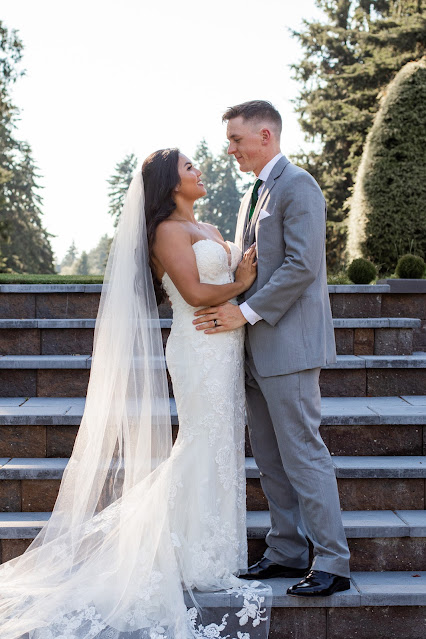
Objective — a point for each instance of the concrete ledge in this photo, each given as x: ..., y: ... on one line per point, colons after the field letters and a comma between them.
x: 406, y: 467
x: 360, y: 467
x: 50, y: 288
x: 358, y: 288
x: 417, y: 360
x: 411, y: 286
x: 96, y: 288
x: 377, y: 322
x: 45, y: 361
x: 61, y: 323
x: 358, y: 524
x: 355, y: 322
x: 367, y: 411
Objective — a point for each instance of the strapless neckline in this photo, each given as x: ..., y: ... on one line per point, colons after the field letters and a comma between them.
x: 207, y: 239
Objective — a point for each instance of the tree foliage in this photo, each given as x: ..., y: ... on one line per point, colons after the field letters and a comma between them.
x: 24, y: 243
x: 119, y: 183
x: 348, y: 59
x: 222, y: 181
x: 392, y: 177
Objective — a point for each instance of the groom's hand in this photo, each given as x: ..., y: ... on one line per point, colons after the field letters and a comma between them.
x: 228, y: 317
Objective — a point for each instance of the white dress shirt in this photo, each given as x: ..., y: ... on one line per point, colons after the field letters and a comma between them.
x: 251, y: 316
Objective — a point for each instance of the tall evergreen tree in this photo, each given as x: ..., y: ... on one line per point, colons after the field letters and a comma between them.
x: 119, y: 182
x: 221, y: 179
x: 348, y: 59
x: 70, y: 256
x: 24, y: 244
x: 82, y: 266
x: 98, y: 256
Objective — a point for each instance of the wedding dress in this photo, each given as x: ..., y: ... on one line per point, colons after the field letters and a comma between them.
x: 156, y: 552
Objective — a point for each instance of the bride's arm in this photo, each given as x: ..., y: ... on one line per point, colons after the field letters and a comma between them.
x: 174, y: 253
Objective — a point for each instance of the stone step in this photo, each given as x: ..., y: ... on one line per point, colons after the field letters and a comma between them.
x: 354, y: 336
x: 365, y: 483
x: 47, y: 427
x: 351, y: 376
x: 383, y: 540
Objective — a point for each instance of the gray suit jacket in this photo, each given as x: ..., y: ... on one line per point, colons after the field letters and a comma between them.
x: 290, y: 292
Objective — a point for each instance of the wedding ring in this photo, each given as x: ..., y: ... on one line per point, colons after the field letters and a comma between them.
x: 215, y: 323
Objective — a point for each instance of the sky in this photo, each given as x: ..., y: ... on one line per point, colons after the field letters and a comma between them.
x: 105, y: 78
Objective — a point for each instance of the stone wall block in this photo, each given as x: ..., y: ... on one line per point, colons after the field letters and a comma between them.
x: 18, y: 341
x: 39, y: 495
x: 344, y: 341
x: 393, y: 341
x: 386, y: 382
x: 67, y: 341
x: 11, y: 548
x: 18, y: 382
x: 22, y: 441
x: 10, y: 495
x: 356, y: 305
x: 388, y: 553
x: 374, y: 440
x: 67, y: 305
x: 17, y: 305
x: 382, y: 494
x: 376, y: 622
x: 62, y: 382
x: 364, y: 341
x: 301, y: 623
x: 60, y: 440
x: 348, y: 383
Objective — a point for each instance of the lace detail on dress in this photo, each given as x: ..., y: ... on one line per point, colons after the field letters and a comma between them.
x: 205, y: 545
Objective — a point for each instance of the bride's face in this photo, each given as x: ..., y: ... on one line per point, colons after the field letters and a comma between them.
x: 191, y: 186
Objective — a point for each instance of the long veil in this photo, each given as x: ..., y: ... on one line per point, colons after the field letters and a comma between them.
x: 104, y: 565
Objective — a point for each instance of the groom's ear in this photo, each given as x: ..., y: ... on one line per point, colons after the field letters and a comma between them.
x: 265, y: 134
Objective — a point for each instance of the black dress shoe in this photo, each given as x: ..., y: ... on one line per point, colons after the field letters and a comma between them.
x: 266, y: 569
x: 319, y: 584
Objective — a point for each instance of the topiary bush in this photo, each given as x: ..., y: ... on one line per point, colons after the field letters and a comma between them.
x: 388, y: 212
x: 362, y: 271
x: 410, y: 267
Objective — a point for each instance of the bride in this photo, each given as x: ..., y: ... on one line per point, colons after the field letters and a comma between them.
x: 143, y: 535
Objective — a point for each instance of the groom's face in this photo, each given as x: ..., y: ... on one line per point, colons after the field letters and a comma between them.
x: 245, y: 143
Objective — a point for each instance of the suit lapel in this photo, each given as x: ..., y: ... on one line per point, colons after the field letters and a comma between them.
x: 269, y: 185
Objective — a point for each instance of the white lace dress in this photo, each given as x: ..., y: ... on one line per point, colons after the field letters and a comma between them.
x: 208, y: 476
x: 199, y: 534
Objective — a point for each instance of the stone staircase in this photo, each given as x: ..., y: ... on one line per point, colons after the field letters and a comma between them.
x: 373, y: 421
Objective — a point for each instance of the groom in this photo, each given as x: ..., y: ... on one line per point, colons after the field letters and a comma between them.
x: 289, y: 338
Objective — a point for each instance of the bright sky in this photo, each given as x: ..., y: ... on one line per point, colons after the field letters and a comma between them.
x: 106, y: 78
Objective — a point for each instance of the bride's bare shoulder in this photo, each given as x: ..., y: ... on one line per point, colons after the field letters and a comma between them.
x: 171, y: 231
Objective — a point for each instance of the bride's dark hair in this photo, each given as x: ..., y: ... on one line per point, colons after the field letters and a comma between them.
x: 160, y: 176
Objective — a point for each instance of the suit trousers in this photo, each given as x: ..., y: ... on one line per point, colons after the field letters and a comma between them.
x: 296, y: 471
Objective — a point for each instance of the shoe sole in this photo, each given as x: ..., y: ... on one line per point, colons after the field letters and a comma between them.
x: 313, y: 594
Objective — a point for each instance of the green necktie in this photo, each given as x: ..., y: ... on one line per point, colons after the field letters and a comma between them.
x: 254, y: 197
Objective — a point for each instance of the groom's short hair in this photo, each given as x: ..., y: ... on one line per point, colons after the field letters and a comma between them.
x: 255, y: 110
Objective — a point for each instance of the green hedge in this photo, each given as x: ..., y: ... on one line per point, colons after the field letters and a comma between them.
x: 16, y: 278
x: 394, y: 175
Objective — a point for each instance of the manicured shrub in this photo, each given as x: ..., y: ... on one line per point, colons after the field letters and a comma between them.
x: 362, y: 271
x: 410, y: 267
x: 388, y: 213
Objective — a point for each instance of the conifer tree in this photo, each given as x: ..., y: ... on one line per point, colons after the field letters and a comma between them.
x: 119, y: 183
x: 348, y: 60
x: 221, y: 179
x: 24, y: 243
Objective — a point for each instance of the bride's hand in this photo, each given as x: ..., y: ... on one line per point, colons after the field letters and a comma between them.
x: 246, y: 271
